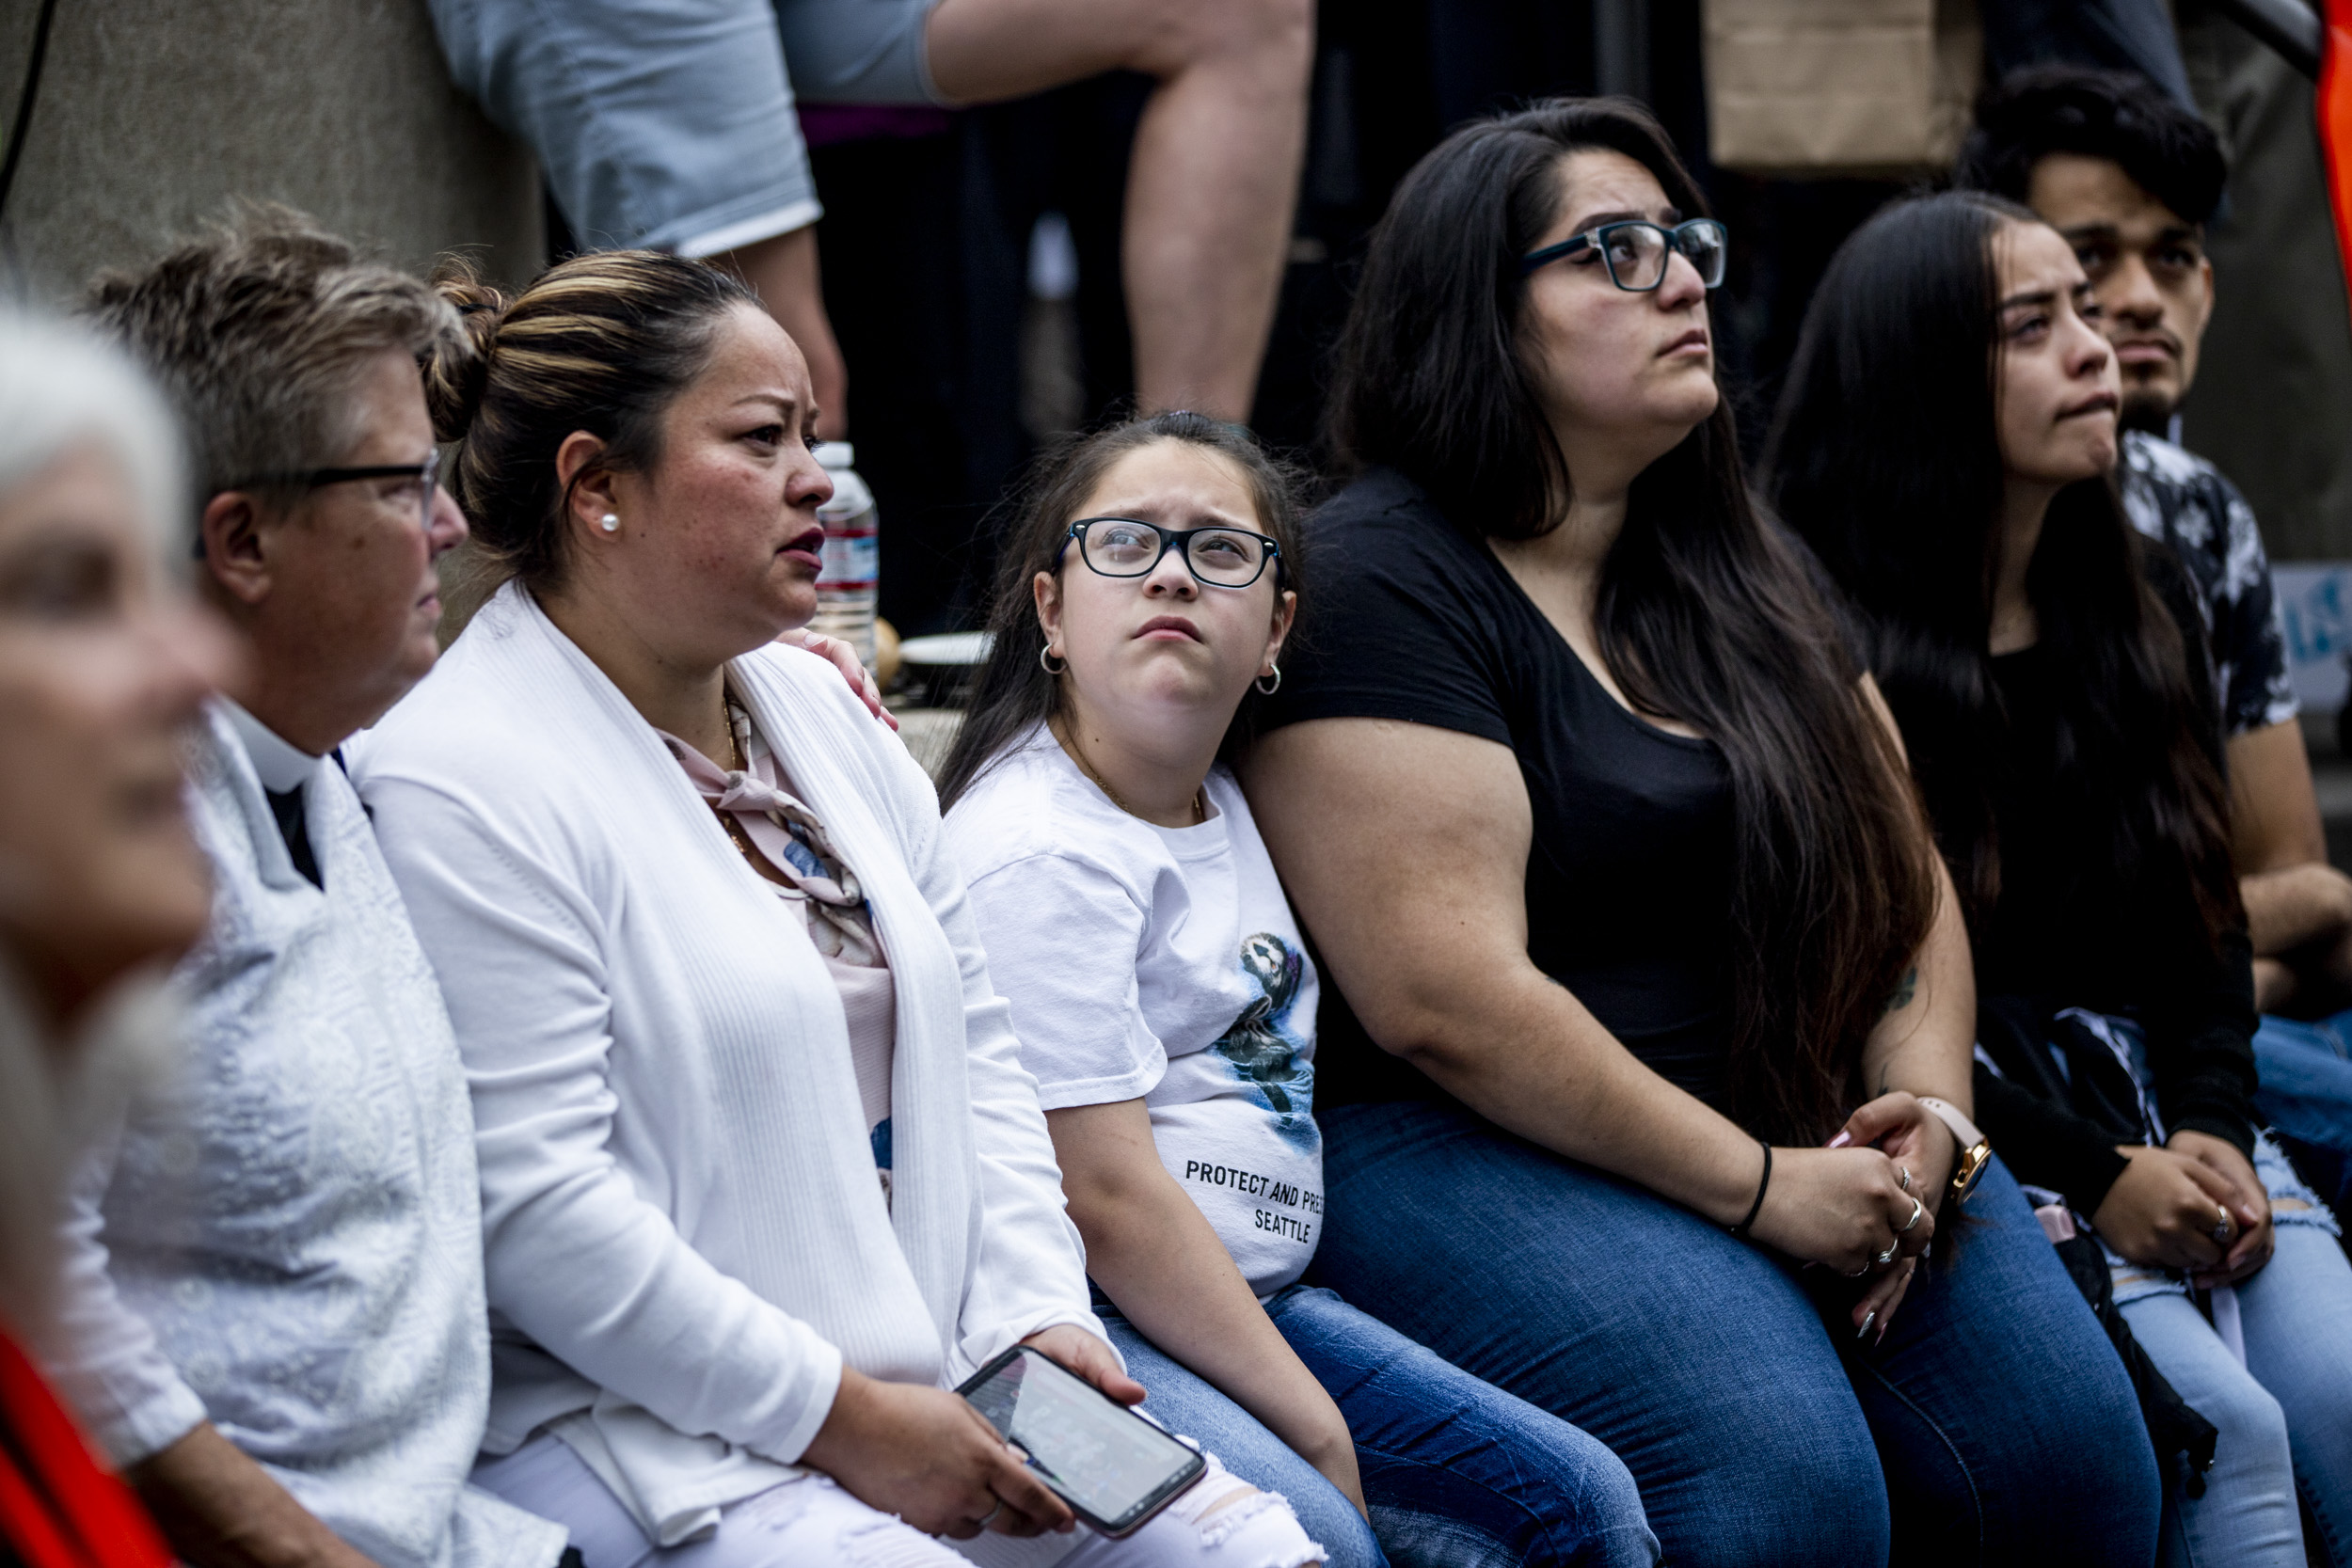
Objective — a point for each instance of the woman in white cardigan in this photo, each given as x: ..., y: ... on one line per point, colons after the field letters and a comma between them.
x: 762, y: 1174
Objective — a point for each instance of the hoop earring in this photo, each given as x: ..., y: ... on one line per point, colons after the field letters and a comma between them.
x: 610, y: 522
x: 1265, y: 690
x: 1045, y: 658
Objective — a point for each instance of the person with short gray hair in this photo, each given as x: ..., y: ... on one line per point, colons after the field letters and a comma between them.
x: 272, y: 1317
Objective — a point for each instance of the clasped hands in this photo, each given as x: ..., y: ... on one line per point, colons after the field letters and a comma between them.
x: 1872, y: 1194
x: 2166, y: 1209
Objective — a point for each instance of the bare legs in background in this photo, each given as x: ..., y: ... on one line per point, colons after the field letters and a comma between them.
x: 1214, y: 171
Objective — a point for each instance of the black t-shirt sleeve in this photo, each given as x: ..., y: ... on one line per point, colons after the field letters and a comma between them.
x: 1399, y: 620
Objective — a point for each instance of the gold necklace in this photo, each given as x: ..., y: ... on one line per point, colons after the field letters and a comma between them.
x: 727, y: 819
x: 734, y: 742
x: 1069, y: 739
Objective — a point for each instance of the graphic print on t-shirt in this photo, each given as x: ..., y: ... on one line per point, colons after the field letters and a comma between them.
x: 1262, y: 1047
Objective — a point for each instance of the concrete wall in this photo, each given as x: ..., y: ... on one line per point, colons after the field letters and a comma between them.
x: 154, y: 113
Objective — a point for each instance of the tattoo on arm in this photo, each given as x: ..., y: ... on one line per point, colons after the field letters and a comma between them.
x: 1905, y: 988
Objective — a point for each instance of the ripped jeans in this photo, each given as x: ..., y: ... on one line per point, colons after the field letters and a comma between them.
x: 810, y: 1522
x: 2284, y: 1411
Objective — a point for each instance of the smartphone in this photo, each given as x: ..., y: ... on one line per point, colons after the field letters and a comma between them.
x: 1114, y: 1469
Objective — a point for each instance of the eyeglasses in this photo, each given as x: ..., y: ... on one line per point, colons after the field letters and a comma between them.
x: 1636, y: 251
x: 1124, y: 547
x: 427, y: 475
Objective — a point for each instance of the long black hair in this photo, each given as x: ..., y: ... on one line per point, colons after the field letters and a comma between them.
x: 1704, y: 613
x: 1885, y: 455
x: 1014, y: 694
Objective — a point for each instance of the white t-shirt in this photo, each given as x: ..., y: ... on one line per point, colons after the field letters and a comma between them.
x: 1159, y: 964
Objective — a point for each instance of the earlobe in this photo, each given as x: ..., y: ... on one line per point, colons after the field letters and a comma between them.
x: 586, y: 487
x: 1286, y: 616
x: 1046, y: 593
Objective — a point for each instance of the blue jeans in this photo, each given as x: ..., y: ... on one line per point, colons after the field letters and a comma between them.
x: 2306, y: 1093
x: 1994, y: 1424
x: 1457, y: 1472
x: 2285, y: 1414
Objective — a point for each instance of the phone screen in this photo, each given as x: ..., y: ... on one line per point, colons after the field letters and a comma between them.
x: 1110, y: 1464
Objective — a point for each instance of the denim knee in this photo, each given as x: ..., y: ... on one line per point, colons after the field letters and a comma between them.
x: 2251, y: 1423
x: 1788, y: 1485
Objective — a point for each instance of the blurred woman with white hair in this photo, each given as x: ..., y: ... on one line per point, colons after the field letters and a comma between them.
x: 103, y: 664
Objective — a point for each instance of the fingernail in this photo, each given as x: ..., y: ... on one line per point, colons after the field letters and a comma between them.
x: 1867, y: 1320
x: 1882, y: 1338
x: 1841, y: 1140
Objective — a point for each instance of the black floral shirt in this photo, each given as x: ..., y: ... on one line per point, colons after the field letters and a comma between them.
x: 2175, y: 495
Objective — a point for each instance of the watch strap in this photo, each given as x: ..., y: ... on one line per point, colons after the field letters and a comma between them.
x: 1975, y: 1150
x: 1964, y: 1130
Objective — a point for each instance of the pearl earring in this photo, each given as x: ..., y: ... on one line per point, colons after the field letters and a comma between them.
x: 610, y: 522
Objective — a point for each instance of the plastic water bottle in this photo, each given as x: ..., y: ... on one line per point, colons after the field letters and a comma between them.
x: 846, y: 582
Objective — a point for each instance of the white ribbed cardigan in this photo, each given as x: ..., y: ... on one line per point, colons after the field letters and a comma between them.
x: 684, y: 1235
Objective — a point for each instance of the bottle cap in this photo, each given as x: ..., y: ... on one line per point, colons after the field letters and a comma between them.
x: 833, y: 454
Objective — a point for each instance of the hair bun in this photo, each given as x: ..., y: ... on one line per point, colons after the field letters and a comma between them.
x: 458, y: 369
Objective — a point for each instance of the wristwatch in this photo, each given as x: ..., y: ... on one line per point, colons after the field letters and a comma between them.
x: 1976, y: 1149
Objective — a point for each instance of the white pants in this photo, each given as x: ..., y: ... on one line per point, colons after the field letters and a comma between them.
x: 1220, y: 1523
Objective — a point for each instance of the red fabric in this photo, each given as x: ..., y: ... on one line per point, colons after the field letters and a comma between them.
x: 2335, y: 121
x: 58, y: 1508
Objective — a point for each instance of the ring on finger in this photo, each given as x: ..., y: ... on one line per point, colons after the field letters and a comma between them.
x: 1888, y: 1256
x: 2224, y: 1227
x: 1902, y: 1177
x: 1918, y: 1209
x: 992, y: 1513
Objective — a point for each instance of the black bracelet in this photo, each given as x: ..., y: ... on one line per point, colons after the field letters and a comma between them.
x: 1740, y: 1230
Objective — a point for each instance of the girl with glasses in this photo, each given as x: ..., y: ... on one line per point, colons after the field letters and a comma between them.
x: 1166, y: 1002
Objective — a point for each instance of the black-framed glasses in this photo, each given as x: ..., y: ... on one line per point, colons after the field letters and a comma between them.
x: 1220, y: 557
x: 1636, y: 251
x: 427, y: 475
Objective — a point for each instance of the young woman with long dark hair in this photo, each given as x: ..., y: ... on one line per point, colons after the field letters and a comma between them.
x: 1945, y: 443
x: 1166, y: 1005
x: 1629, y: 909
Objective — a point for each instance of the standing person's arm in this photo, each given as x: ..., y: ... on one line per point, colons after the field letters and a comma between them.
x: 784, y: 271
x: 1405, y: 850
x: 1156, y: 1256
